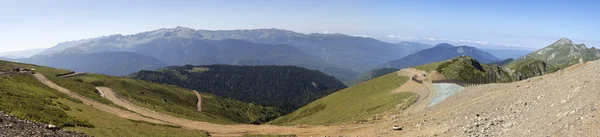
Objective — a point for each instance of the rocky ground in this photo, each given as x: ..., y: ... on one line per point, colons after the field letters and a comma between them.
x: 564, y: 103
x: 14, y: 127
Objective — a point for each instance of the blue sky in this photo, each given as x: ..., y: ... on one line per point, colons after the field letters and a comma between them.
x: 515, y: 24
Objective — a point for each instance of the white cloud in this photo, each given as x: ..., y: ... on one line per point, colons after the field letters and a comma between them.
x: 430, y: 38
x: 401, y: 37
x: 365, y: 36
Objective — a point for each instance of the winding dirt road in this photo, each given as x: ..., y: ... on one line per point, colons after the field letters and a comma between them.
x: 107, y: 108
x: 217, y: 129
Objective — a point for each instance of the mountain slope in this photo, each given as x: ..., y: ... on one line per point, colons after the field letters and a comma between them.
x: 182, y: 46
x: 412, y: 47
x: 110, y: 63
x: 356, y: 53
x: 26, y: 98
x: 438, y: 53
x: 542, y: 106
x: 466, y: 70
x: 562, y: 53
x: 337, y: 50
x: 353, y: 104
x: 284, y: 87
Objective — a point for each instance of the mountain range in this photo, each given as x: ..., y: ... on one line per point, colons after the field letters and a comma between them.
x: 339, y: 55
x: 21, y: 53
x: 440, y: 52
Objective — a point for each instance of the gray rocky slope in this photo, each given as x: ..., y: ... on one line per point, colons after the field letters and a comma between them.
x: 14, y: 127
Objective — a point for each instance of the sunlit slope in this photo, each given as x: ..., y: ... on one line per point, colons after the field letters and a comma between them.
x: 23, y: 96
x: 181, y: 102
x: 353, y: 104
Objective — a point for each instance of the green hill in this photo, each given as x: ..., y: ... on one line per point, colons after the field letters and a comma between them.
x: 354, y: 104
x: 531, y: 68
x: 285, y: 87
x: 21, y: 95
x: 468, y: 70
x: 562, y: 53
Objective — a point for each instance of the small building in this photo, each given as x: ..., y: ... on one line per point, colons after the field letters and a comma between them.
x: 32, y: 71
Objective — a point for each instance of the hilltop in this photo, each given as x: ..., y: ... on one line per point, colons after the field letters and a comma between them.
x: 562, y: 53
x: 438, y: 53
x: 467, y: 70
x: 285, y: 87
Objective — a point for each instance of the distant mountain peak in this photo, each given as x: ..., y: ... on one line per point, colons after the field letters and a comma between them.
x: 563, y: 41
x: 444, y: 45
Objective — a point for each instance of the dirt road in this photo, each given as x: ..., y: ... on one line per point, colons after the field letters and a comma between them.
x: 217, y: 129
x: 424, y: 91
x: 199, y: 103
x: 107, y: 108
x: 100, y: 92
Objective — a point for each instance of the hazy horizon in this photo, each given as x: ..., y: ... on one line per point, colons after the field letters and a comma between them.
x: 525, y: 25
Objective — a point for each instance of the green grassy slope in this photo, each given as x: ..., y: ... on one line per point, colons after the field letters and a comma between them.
x: 23, y: 96
x: 86, y: 90
x: 530, y: 68
x: 562, y: 53
x: 469, y: 70
x: 181, y: 102
x: 352, y: 104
